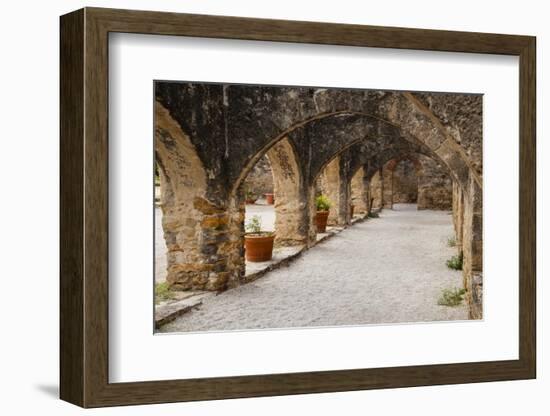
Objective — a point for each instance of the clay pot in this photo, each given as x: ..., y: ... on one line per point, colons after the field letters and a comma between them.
x: 351, y: 209
x: 258, y: 246
x: 321, y: 219
x: 270, y: 199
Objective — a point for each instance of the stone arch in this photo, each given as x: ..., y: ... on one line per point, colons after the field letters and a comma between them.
x: 291, y: 221
x: 191, y: 224
x: 433, y: 187
x: 378, y: 174
x: 248, y: 120
x: 290, y: 201
x: 338, y: 168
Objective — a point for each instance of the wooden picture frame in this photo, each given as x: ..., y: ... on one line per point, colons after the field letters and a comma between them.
x: 84, y: 207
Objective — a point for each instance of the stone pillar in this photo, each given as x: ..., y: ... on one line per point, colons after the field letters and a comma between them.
x: 336, y: 190
x: 311, y: 211
x: 291, y: 215
x: 458, y: 214
x: 359, y: 192
x: 368, y: 194
x: 387, y: 186
x: 472, y: 246
x: 376, y: 190
x: 203, y: 231
x: 344, y: 212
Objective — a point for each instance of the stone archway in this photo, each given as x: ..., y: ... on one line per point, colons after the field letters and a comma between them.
x: 193, y: 226
x: 228, y: 127
x: 290, y: 201
x: 243, y: 121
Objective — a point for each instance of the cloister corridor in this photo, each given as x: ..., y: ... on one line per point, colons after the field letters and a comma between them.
x: 389, y: 269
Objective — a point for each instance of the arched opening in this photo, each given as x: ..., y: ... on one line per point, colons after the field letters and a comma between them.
x: 413, y: 179
x: 258, y: 194
x: 273, y: 197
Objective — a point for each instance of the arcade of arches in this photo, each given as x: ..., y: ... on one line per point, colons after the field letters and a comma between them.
x: 366, y: 150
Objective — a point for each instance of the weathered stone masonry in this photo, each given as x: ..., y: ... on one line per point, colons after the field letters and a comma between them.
x: 260, y: 179
x: 209, y: 137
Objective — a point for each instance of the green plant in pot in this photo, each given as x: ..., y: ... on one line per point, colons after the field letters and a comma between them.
x: 258, y: 244
x: 322, y: 204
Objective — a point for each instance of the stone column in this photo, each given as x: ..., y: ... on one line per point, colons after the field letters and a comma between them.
x: 368, y: 193
x: 359, y: 191
x: 203, y: 230
x: 458, y: 214
x: 387, y: 186
x: 291, y: 215
x: 376, y: 190
x: 336, y: 192
x: 472, y: 246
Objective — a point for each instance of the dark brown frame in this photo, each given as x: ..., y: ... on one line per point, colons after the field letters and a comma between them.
x: 84, y: 209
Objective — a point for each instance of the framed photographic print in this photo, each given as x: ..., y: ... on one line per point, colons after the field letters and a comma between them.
x: 256, y: 207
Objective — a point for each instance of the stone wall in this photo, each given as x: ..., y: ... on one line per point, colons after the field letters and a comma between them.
x: 405, y: 183
x: 260, y: 178
x: 435, y: 187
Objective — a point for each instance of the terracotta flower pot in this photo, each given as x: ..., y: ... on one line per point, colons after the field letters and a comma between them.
x: 321, y: 221
x: 259, y: 247
x: 351, y: 209
x: 269, y: 198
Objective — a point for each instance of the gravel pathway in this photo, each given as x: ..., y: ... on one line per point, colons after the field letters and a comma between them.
x: 385, y: 270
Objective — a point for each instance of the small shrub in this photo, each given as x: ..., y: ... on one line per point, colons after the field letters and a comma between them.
x: 451, y: 297
x: 254, y: 225
x: 451, y: 241
x: 455, y: 262
x: 373, y: 215
x: 322, y: 203
x: 163, y: 292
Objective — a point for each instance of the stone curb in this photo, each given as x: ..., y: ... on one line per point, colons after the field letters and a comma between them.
x: 169, y: 312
